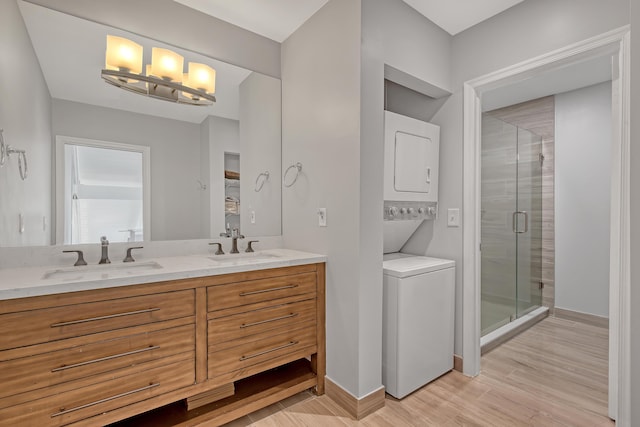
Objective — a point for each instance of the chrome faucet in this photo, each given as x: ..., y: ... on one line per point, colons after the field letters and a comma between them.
x: 105, y: 251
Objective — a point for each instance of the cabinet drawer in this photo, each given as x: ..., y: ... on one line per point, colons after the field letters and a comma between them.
x: 232, y: 329
x: 262, y: 350
x: 55, y: 367
x: 37, y: 326
x: 86, y: 402
x: 254, y: 291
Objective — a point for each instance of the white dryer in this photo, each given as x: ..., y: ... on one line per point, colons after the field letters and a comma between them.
x: 418, y: 321
x: 411, y: 151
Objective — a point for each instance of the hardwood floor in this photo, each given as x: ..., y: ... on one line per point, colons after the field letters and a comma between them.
x: 554, y: 374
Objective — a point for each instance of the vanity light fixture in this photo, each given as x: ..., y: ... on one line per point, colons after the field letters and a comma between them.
x: 163, y: 78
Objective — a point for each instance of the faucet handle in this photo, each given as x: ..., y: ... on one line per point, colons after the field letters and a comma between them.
x: 129, y: 258
x: 249, y: 247
x: 219, y: 251
x: 80, y: 260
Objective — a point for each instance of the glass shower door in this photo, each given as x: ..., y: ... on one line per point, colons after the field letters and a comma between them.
x: 511, y: 223
x: 498, y: 202
x: 527, y: 223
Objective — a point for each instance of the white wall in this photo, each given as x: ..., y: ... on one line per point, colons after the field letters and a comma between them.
x: 175, y: 159
x: 583, y: 199
x: 635, y: 209
x: 26, y: 121
x: 260, y: 138
x: 321, y: 130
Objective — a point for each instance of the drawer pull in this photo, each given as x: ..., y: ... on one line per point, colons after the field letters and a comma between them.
x: 102, y: 359
x: 110, y: 316
x: 289, y: 344
x: 244, y: 294
x: 97, y: 402
x: 275, y: 319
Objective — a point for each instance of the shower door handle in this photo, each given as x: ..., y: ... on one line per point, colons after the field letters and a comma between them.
x: 515, y: 222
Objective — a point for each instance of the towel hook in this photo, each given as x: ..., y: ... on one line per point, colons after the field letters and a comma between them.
x: 265, y: 178
x: 298, y: 168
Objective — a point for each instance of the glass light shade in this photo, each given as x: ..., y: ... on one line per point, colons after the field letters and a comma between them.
x: 166, y: 64
x: 123, y: 54
x: 201, y: 77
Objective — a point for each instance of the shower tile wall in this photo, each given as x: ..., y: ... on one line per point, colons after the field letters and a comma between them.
x: 538, y: 116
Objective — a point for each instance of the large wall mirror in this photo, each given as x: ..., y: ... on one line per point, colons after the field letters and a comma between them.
x: 193, y: 193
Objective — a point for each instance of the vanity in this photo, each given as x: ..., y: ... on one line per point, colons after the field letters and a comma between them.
x: 193, y: 339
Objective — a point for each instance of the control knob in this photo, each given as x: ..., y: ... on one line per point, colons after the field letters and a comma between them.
x: 412, y: 212
x: 422, y: 211
x: 403, y: 211
x: 393, y: 212
x: 431, y: 210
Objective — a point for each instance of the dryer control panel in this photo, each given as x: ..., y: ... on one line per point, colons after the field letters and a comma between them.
x: 403, y: 211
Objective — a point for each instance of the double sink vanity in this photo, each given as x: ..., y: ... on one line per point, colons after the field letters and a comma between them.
x: 185, y: 340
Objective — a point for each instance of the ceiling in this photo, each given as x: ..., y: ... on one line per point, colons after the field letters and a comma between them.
x: 455, y: 16
x: 274, y: 19
x: 278, y: 19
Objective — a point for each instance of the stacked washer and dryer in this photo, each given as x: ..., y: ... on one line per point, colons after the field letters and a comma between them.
x: 419, y: 291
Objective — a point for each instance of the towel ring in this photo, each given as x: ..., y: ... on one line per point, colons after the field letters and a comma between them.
x: 3, y: 149
x: 265, y: 176
x: 298, y: 167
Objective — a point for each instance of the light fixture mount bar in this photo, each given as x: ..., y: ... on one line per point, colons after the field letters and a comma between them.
x: 156, y: 87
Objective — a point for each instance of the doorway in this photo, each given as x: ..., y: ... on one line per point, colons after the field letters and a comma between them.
x: 614, y: 43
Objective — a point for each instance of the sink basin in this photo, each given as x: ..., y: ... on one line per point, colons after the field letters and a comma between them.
x: 243, y: 258
x: 103, y: 271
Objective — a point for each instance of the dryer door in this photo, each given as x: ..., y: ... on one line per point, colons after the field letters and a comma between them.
x: 410, y: 159
x: 412, y: 171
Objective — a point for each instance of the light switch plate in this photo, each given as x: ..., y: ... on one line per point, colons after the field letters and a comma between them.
x: 322, y: 217
x: 453, y: 217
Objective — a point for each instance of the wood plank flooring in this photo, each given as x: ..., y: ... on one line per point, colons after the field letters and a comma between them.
x: 554, y: 374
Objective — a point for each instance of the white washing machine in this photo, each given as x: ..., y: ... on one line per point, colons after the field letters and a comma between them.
x: 418, y: 321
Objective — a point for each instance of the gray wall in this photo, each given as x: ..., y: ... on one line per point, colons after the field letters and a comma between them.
x: 392, y: 34
x: 26, y: 120
x: 321, y: 129
x: 260, y: 137
x: 527, y: 30
x: 175, y: 159
x: 583, y: 199
x: 173, y: 23
x: 635, y: 209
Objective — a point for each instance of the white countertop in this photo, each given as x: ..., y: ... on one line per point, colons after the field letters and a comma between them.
x: 46, y: 280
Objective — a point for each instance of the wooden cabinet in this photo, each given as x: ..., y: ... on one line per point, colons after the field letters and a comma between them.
x: 96, y: 357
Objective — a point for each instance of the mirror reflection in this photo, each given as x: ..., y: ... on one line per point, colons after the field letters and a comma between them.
x: 192, y: 150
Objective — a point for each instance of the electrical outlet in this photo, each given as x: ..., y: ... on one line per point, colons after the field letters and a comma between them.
x: 253, y: 217
x: 322, y: 217
x: 453, y: 217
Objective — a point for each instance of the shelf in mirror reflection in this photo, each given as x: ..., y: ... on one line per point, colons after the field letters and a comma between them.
x: 102, y: 271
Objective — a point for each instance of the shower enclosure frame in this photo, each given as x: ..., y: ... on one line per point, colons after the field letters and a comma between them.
x: 511, y: 222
